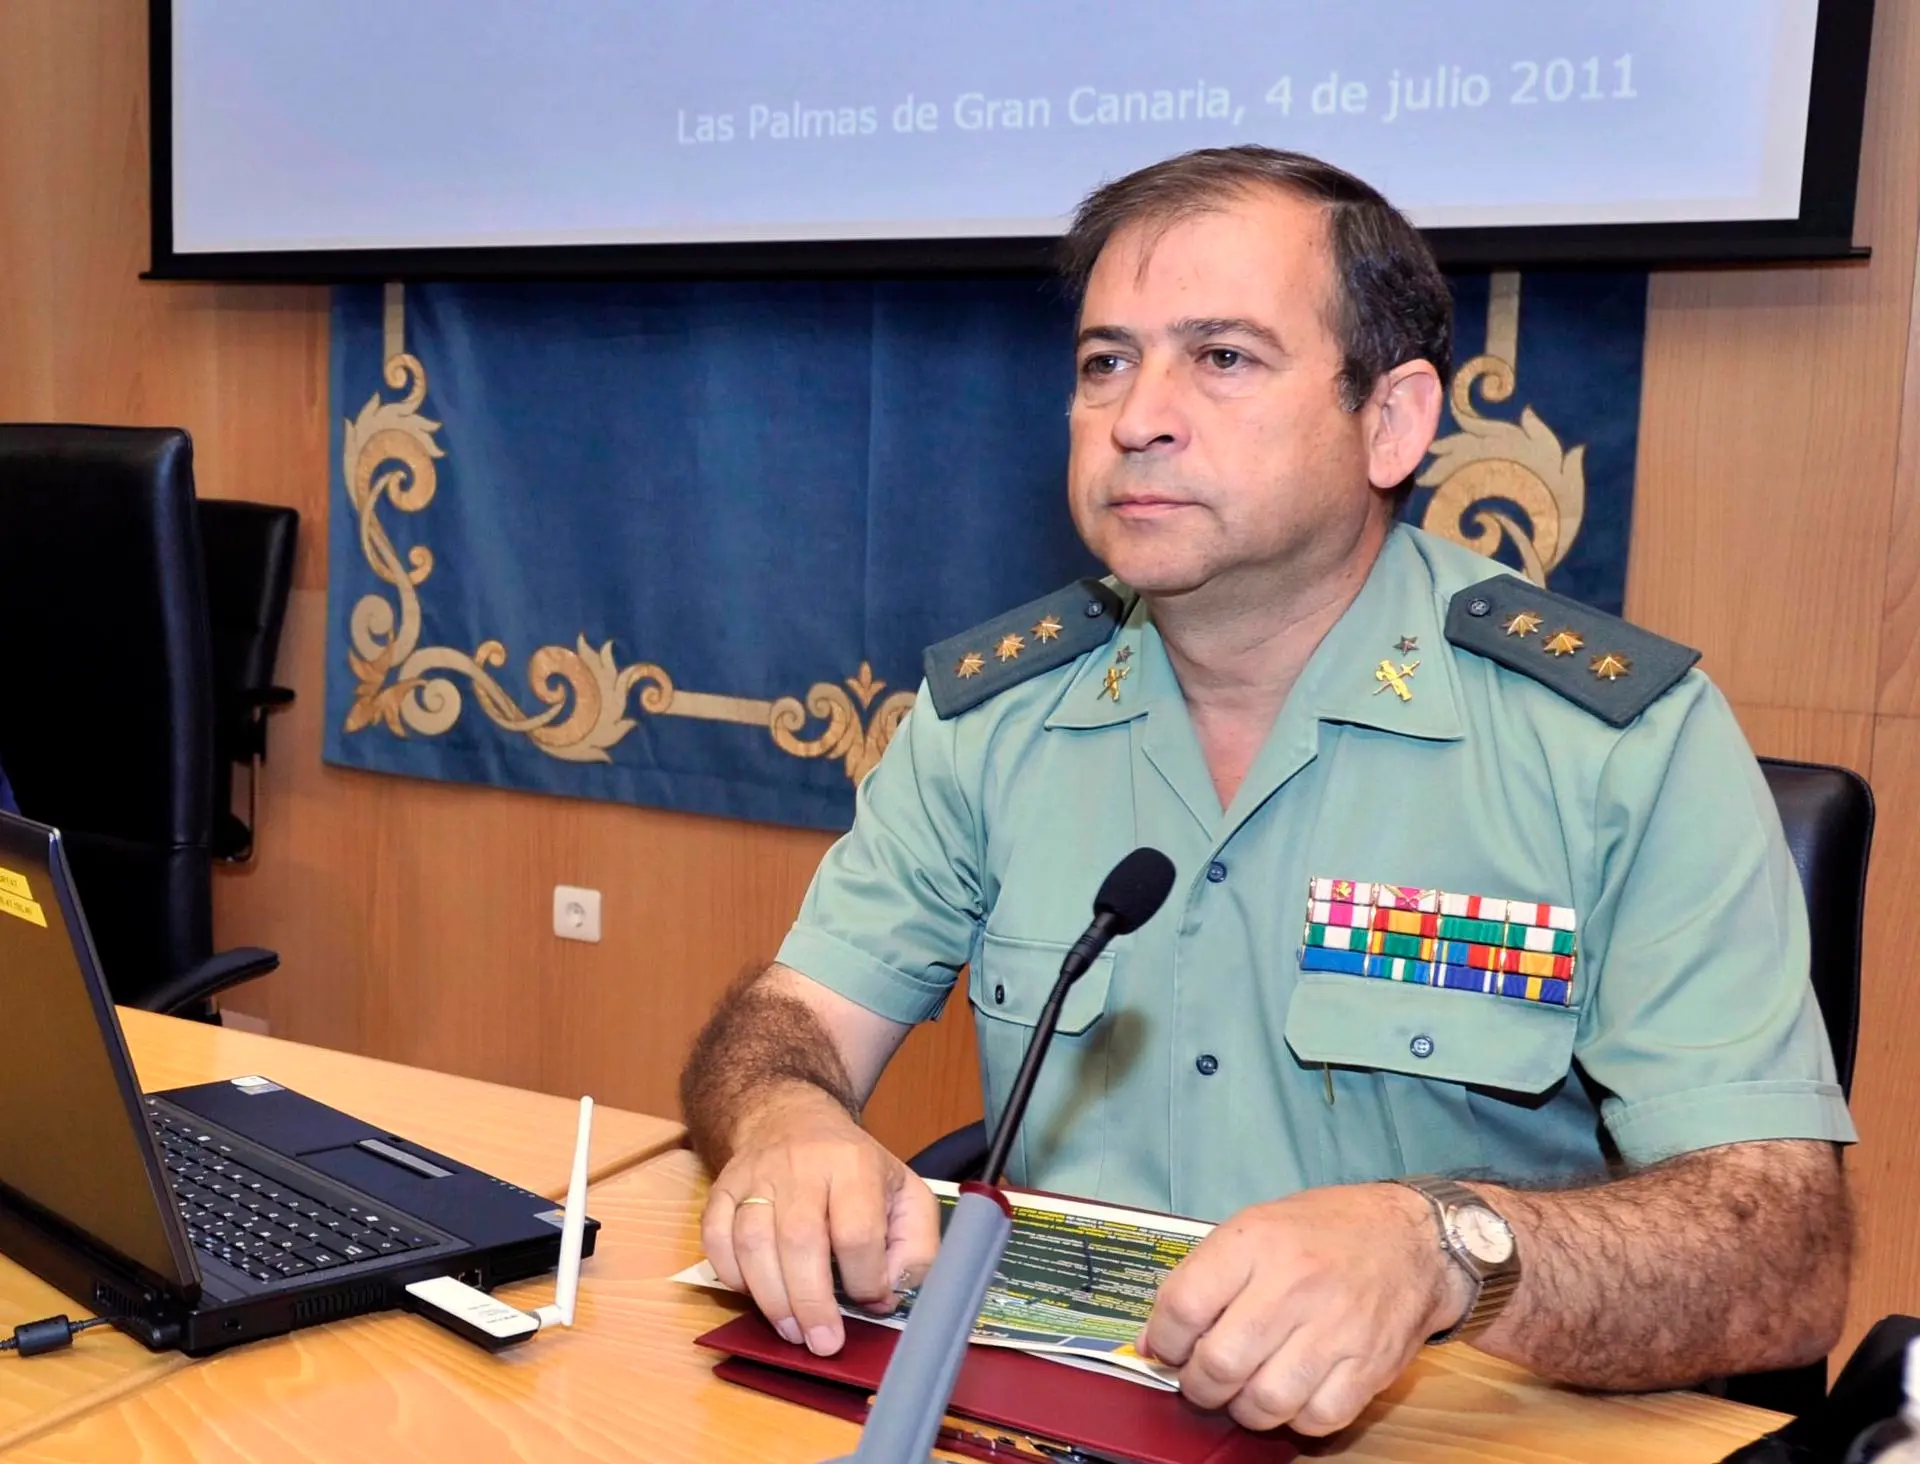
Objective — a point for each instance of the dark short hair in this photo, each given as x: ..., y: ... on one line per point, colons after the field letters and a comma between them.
x: 1391, y: 302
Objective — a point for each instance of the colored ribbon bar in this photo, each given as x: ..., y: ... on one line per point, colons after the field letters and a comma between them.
x: 1550, y: 990
x: 1522, y: 949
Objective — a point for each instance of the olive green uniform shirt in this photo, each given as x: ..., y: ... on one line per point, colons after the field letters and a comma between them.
x: 1198, y: 1067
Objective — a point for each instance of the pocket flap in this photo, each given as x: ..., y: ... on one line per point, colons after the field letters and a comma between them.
x: 1466, y: 1036
x: 1011, y: 980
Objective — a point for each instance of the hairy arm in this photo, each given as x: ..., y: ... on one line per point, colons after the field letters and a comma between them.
x: 774, y: 1034
x: 1723, y: 1261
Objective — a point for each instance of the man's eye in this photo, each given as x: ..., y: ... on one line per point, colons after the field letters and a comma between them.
x: 1104, y: 365
x: 1223, y: 358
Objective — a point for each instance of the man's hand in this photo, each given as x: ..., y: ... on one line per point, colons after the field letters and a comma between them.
x: 1301, y: 1310
x: 831, y: 1193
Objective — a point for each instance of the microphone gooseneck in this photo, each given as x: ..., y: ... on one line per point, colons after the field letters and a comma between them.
x: 907, y: 1412
x: 1129, y: 897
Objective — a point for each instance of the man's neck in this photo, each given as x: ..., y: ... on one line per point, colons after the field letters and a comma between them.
x: 1239, y: 647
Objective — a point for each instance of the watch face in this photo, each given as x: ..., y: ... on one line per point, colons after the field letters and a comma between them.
x: 1485, y: 1235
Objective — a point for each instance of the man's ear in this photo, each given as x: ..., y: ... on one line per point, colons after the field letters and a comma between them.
x: 1406, y: 414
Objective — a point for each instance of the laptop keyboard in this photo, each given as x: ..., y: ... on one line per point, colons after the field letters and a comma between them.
x: 262, y: 1226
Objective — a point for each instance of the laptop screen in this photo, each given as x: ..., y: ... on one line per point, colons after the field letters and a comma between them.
x: 72, y: 1121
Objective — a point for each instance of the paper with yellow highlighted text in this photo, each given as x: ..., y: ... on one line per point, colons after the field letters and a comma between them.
x: 1075, y: 1285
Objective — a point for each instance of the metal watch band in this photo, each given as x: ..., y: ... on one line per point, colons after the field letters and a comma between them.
x: 1493, y: 1286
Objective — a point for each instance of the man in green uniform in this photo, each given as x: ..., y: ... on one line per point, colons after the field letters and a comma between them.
x: 1472, y: 882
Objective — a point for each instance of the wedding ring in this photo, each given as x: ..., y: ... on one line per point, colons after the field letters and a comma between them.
x: 751, y: 1200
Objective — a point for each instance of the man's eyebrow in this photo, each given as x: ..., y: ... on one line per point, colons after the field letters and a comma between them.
x: 1199, y: 329
x: 1111, y: 335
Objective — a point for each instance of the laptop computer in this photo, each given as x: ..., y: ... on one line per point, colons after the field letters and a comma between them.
x: 207, y: 1216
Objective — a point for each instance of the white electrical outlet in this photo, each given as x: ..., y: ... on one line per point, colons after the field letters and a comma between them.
x: 576, y: 913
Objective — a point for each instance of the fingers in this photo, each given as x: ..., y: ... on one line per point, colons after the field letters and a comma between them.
x: 1193, y: 1298
x: 716, y: 1238
x: 805, y: 1251
x: 857, y: 1224
x: 1341, y: 1397
x: 756, y: 1249
x: 1279, y: 1386
x: 1311, y: 1377
x: 913, y: 1229
x: 1253, y: 1334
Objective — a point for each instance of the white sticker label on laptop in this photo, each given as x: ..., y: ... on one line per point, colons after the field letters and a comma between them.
x: 253, y: 1086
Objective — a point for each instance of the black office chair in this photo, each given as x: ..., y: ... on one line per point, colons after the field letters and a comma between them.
x: 248, y: 549
x: 1827, y: 813
x: 107, y: 719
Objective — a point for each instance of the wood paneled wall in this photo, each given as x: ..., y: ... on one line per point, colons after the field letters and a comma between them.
x: 1778, y: 527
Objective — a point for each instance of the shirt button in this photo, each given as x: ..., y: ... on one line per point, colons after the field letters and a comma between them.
x: 1207, y: 1063
x: 999, y: 996
x: 1216, y: 872
x: 1421, y: 1046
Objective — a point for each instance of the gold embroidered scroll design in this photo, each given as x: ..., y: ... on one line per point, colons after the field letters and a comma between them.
x: 1491, y: 463
x: 388, y: 457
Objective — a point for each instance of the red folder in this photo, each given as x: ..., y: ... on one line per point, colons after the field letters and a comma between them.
x: 999, y: 1390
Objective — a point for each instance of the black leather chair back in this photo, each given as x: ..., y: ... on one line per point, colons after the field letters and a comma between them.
x: 106, y: 722
x: 1827, y: 813
x: 248, y: 548
x: 106, y: 709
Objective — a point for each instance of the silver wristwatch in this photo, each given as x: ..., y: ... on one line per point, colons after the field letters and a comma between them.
x: 1480, y: 1243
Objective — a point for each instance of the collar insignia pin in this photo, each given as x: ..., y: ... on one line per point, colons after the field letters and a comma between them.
x: 1394, y: 679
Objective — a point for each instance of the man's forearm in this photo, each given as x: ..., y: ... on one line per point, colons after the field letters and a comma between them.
x: 1724, y: 1261
x: 758, y: 1040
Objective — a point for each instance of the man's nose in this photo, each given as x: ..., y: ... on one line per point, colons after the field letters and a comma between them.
x: 1151, y: 416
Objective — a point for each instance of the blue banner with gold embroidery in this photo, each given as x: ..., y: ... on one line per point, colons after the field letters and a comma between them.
x: 682, y: 544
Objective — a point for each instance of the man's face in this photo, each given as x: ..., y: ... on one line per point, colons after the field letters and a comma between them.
x: 1208, y: 437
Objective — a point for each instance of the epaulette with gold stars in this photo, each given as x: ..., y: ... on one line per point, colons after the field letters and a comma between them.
x: 967, y: 669
x: 1595, y: 660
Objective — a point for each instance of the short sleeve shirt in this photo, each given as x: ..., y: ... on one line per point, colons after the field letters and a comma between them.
x: 1200, y: 1066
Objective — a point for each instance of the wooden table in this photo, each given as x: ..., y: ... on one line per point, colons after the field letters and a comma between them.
x: 526, y: 1138
x: 628, y: 1383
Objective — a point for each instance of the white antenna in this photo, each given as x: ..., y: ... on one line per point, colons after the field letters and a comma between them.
x: 572, y: 1228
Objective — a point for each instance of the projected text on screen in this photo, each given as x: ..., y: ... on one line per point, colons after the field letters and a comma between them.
x: 369, y: 124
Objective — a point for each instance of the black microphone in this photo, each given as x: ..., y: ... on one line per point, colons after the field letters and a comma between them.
x: 1129, y: 897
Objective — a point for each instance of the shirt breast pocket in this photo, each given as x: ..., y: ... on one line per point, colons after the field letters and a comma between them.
x: 1008, y: 984
x: 1427, y: 1048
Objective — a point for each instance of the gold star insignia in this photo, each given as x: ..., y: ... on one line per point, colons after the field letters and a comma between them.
x: 1610, y: 666
x: 1010, y: 647
x: 970, y: 665
x: 1115, y: 675
x: 1523, y: 623
x: 1562, y: 643
x: 1048, y: 629
x: 1407, y: 644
